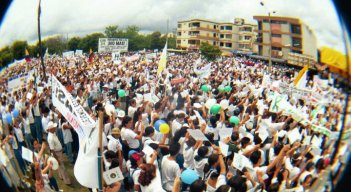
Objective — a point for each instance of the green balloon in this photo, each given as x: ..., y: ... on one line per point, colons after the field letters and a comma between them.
x: 221, y: 89
x: 205, y: 88
x: 227, y: 88
x: 121, y: 93
x: 314, y: 113
x: 215, y: 109
x: 234, y: 120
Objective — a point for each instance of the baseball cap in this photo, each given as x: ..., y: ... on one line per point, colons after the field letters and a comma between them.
x: 136, y: 156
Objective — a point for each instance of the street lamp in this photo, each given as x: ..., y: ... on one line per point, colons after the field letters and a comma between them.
x: 270, y: 40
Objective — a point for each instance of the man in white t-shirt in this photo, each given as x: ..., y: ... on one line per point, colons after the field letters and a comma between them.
x: 169, y: 167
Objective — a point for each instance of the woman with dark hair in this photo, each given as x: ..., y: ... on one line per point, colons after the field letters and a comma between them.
x: 149, y: 179
x: 200, y: 160
x: 129, y: 137
x: 215, y: 178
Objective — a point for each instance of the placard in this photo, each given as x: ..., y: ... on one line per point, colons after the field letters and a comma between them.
x: 197, y: 134
x: 113, y: 175
x: 109, y: 45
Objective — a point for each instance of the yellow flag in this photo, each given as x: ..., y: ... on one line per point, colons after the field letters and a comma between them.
x: 163, y: 61
x: 300, y: 75
x: 26, y: 52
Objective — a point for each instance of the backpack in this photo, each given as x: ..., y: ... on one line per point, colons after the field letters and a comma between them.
x: 130, y: 178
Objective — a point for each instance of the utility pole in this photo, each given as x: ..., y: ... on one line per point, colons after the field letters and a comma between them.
x: 40, y: 45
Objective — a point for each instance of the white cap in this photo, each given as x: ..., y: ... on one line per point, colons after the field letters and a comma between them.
x: 51, y: 125
x: 121, y: 114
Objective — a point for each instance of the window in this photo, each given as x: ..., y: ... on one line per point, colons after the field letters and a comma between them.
x: 277, y: 35
x: 221, y: 44
x: 276, y: 48
x: 279, y: 22
x: 179, y: 33
x: 247, y: 37
x: 296, y: 42
x: 260, y: 25
x: 214, y: 26
x: 228, y: 27
x: 295, y: 51
x: 179, y: 25
x: 228, y: 45
x: 195, y: 24
x: 228, y: 36
x: 222, y: 27
x: 221, y: 36
x: 296, y: 29
x: 178, y: 42
x: 214, y: 43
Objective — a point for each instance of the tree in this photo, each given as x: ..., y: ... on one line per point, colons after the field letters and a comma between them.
x: 56, y: 44
x: 111, y: 31
x: 210, y: 52
x: 171, y: 42
x: 156, y: 42
x: 6, y: 56
x: 90, y: 42
x: 73, y: 43
x: 18, y: 48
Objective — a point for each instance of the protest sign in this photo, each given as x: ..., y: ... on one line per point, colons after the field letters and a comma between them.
x: 225, y: 132
x: 240, y: 161
x: 197, y: 135
x: 19, y: 81
x: 177, y: 81
x: 109, y: 45
x: 80, y: 120
x: 27, y: 154
x: 116, y: 57
x: 113, y: 175
x: 68, y: 54
x: 224, y: 148
x: 79, y: 52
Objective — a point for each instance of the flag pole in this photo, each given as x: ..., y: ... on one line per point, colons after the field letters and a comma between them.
x: 100, y: 150
x: 40, y: 45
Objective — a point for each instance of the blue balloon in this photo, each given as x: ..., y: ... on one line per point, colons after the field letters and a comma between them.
x: 8, y: 118
x: 158, y: 123
x: 15, y: 113
x: 189, y: 176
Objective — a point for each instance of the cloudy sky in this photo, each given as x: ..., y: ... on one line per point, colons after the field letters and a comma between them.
x: 80, y: 17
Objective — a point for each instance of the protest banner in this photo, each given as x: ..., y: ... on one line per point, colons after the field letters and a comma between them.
x: 68, y: 54
x: 19, y: 81
x: 204, y: 71
x: 116, y: 57
x: 276, y: 103
x: 85, y: 168
x: 197, y: 135
x: 109, y: 45
x: 178, y: 81
x: 79, y: 52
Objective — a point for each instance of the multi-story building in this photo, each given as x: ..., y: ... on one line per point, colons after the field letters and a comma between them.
x: 283, y: 36
x: 227, y: 36
x: 191, y: 33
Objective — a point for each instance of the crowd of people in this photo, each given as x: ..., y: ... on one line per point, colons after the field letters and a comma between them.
x: 266, y: 150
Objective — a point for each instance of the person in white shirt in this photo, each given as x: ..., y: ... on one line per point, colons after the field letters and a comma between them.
x: 129, y: 137
x: 178, y: 122
x: 45, y: 118
x: 56, y: 149
x: 132, y: 108
x: 169, y: 167
x: 67, y: 139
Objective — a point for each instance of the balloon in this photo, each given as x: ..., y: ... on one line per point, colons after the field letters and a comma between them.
x: 210, y: 103
x: 205, y: 88
x: 314, y: 113
x: 189, y: 176
x: 215, y: 109
x: 227, y: 88
x: 164, y: 128
x: 121, y: 93
x: 15, y: 113
x: 234, y: 120
x: 221, y: 89
x: 8, y: 118
x: 158, y: 123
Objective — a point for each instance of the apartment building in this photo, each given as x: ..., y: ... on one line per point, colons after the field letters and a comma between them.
x: 229, y: 37
x: 288, y: 38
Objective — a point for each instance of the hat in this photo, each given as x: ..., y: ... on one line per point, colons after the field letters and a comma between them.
x: 121, y: 114
x: 136, y: 156
x: 51, y: 125
x: 116, y: 130
x: 185, y: 125
x: 105, y: 86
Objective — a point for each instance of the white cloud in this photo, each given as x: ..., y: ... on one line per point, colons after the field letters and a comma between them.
x: 72, y: 17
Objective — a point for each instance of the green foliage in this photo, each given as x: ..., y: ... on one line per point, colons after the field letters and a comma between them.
x: 210, y: 52
x: 18, y: 49
x: 58, y: 44
x: 73, y: 43
x: 90, y: 42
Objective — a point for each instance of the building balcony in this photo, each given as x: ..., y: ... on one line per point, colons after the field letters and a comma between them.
x: 203, y: 29
x: 191, y: 46
x: 197, y: 37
